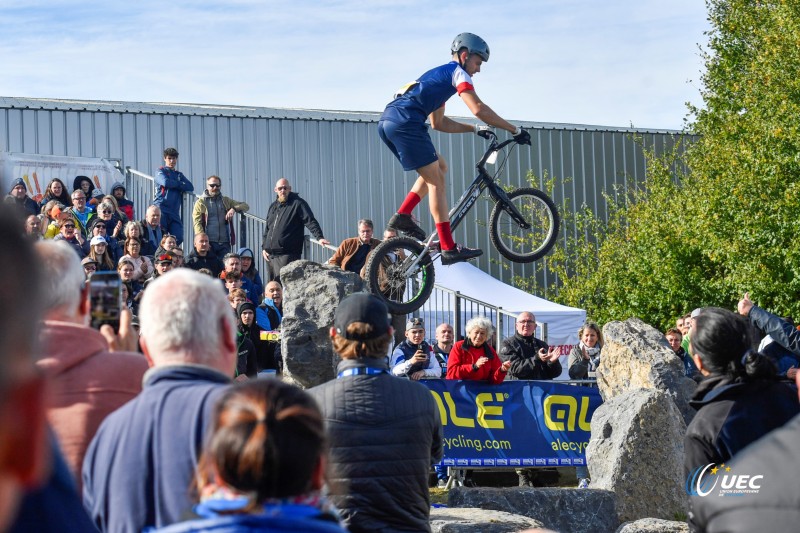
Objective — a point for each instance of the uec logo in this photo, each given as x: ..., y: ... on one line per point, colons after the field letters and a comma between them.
x: 698, y: 483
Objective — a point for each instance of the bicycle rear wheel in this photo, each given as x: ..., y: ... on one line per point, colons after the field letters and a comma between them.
x: 530, y: 238
x: 396, y: 274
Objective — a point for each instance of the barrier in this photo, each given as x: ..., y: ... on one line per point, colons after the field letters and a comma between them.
x: 514, y: 424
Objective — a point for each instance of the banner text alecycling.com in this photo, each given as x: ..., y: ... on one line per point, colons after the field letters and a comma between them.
x: 476, y: 444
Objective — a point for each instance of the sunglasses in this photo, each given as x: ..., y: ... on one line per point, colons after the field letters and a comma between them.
x: 69, y: 226
x: 213, y: 185
x: 105, y: 212
x: 89, y: 267
x: 283, y: 188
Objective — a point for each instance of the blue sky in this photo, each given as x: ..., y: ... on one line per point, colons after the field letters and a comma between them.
x: 616, y: 63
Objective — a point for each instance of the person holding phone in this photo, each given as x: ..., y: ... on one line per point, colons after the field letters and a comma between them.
x: 413, y: 358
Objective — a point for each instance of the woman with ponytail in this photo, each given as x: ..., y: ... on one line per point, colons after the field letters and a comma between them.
x: 740, y: 400
x: 263, y: 465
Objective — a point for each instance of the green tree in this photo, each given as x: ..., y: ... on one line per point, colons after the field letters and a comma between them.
x: 730, y: 223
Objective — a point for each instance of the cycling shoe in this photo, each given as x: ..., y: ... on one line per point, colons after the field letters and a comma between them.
x: 405, y: 224
x: 459, y: 254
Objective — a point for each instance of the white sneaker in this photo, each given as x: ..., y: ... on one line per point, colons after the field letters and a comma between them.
x: 583, y: 483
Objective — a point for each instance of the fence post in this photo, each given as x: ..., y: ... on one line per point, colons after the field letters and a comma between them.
x: 500, y: 329
x: 243, y: 232
x: 457, y: 313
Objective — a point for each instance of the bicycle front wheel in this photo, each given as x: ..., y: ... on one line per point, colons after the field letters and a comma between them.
x: 400, y: 274
x: 527, y: 231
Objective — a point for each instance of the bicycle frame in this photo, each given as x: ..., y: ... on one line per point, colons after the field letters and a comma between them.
x: 482, y: 182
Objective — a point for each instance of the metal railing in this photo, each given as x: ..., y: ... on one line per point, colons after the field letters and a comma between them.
x: 444, y: 305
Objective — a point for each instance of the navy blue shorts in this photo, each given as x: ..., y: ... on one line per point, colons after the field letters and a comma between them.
x: 409, y: 142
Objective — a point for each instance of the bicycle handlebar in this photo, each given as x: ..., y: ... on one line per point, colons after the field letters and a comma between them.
x: 493, y: 146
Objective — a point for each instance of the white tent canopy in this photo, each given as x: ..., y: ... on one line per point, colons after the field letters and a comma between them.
x: 563, y: 322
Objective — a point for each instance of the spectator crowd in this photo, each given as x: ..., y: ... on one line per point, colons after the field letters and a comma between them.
x: 161, y: 422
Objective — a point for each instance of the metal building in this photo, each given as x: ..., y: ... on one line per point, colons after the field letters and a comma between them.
x: 333, y: 159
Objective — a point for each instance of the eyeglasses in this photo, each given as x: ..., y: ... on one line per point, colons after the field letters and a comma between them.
x: 526, y: 322
x: 89, y: 267
x: 100, y: 226
x: 213, y: 185
x: 79, y: 199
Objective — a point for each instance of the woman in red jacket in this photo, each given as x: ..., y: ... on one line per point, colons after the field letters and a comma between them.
x: 473, y: 358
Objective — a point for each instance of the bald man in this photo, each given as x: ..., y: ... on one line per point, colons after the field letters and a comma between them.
x: 283, y: 234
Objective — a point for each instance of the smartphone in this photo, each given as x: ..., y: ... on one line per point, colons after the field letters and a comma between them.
x: 105, y: 299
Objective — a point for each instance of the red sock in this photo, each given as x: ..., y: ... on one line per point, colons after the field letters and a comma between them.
x: 409, y: 203
x: 445, y: 236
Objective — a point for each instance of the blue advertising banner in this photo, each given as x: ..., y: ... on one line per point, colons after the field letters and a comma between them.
x: 514, y: 424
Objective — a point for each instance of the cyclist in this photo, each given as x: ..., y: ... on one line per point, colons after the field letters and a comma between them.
x: 402, y: 127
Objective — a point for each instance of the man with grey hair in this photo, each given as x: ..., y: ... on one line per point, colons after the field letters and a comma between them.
x: 353, y: 252
x: 141, y: 462
x: 88, y: 381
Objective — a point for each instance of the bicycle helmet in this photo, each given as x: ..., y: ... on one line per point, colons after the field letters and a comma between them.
x: 473, y: 44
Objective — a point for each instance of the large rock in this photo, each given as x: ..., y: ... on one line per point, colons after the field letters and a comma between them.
x: 312, y: 293
x: 563, y: 510
x: 460, y: 520
x: 653, y: 525
x: 637, y: 356
x: 636, y: 451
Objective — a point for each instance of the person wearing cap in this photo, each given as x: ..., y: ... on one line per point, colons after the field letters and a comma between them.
x: 118, y: 192
x: 250, y: 271
x: 413, y: 358
x: 213, y: 214
x: 69, y: 234
x: 95, y: 198
x: 385, y: 433
x: 98, y: 250
x: 89, y: 266
x: 99, y: 228
x: 170, y: 186
x: 402, y: 127
x: 18, y: 200
x: 163, y: 264
x: 246, y: 362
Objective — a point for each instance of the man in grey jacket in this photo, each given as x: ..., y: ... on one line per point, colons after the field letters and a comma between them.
x: 384, y: 432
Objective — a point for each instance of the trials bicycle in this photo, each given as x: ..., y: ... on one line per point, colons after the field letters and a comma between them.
x: 523, y: 226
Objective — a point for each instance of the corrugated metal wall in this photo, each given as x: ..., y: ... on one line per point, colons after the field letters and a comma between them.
x: 334, y: 160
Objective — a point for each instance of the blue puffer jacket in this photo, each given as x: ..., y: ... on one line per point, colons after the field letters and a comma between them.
x: 170, y: 186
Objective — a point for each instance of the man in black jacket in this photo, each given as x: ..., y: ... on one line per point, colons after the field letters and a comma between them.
x: 283, y: 234
x: 203, y: 257
x: 384, y: 432
x: 531, y: 358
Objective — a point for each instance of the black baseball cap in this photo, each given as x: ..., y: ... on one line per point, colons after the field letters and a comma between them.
x: 362, y: 307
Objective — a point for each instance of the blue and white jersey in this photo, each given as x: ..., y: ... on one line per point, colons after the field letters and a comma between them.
x: 418, y: 99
